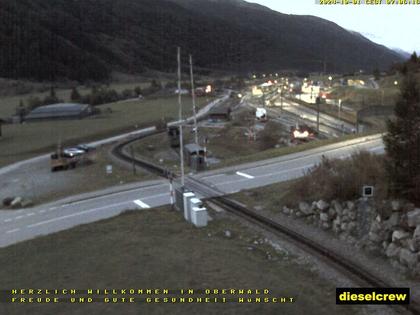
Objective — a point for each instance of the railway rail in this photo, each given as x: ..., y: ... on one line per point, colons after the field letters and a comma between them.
x: 352, y: 269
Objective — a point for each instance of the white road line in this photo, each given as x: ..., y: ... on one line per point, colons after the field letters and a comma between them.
x: 43, y: 211
x: 13, y: 231
x: 74, y: 215
x: 141, y: 204
x: 126, y: 192
x: 19, y: 217
x: 8, y: 220
x: 52, y: 208
x: 30, y: 214
x: 245, y: 175
x: 304, y: 167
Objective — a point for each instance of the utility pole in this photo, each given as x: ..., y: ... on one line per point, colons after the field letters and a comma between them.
x: 318, y: 102
x: 181, y: 140
x: 193, y: 101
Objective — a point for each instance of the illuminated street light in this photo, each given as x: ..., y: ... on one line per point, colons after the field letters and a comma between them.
x: 330, y: 78
x: 395, y: 82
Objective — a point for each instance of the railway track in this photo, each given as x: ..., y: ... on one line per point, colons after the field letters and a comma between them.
x: 353, y: 270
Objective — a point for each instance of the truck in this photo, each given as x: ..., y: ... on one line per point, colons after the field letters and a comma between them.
x: 69, y: 158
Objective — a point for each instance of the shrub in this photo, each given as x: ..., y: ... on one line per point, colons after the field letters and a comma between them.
x: 342, y: 179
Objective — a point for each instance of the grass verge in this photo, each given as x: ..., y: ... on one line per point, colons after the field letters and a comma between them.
x: 157, y: 249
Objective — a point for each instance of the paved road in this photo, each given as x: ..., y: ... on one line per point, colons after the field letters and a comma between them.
x: 16, y: 226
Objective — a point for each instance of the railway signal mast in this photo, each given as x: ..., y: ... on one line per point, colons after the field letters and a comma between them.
x: 193, y: 101
x: 181, y: 140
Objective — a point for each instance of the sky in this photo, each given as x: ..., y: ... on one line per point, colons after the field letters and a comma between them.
x: 395, y: 26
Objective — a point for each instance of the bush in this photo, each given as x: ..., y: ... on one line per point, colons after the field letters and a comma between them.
x: 342, y: 179
x: 269, y: 137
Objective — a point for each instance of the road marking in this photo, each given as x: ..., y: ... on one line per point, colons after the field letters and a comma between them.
x: 8, y: 220
x: 19, y: 217
x: 141, y: 204
x: 304, y: 167
x: 42, y: 211
x: 30, y: 214
x: 13, y: 231
x: 52, y: 208
x: 75, y: 215
x: 245, y: 175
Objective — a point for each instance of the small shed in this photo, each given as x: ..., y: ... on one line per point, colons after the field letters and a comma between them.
x: 220, y: 113
x: 195, y: 156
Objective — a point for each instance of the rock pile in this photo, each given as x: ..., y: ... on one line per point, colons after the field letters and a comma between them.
x: 392, y: 228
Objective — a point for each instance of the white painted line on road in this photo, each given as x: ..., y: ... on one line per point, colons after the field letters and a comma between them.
x: 245, y: 175
x: 304, y: 167
x: 13, y: 231
x: 19, y: 217
x: 75, y: 215
x: 141, y: 204
x: 43, y: 211
x: 8, y: 220
x: 30, y: 214
x: 52, y: 208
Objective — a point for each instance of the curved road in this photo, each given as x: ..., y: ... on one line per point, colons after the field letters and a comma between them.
x: 16, y: 226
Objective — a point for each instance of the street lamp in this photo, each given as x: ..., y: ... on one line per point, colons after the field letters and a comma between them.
x: 395, y: 83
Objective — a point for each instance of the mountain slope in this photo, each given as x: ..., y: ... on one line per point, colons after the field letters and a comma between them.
x: 87, y: 39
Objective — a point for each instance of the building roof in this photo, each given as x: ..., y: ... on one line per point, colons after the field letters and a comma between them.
x: 59, y: 110
x: 192, y: 147
x: 221, y: 110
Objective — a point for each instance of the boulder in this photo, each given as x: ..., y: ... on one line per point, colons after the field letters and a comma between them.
x: 396, y: 205
x: 336, y: 205
x: 416, y: 238
x: 322, y: 205
x: 336, y: 225
x: 399, y: 235
x: 351, y: 226
x: 375, y: 238
x: 286, y: 210
x: 413, y: 217
x: 393, y: 220
x: 408, y: 258
x: 324, y: 217
x: 8, y: 201
x: 393, y: 250
x: 343, y: 226
x: 16, y: 203
x: 331, y: 212
x: 325, y: 226
x: 350, y: 205
x: 26, y: 203
x: 305, y: 208
x: 375, y: 227
x: 352, y: 215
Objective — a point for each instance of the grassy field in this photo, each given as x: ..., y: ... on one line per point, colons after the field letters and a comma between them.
x: 158, y: 249
x: 22, y: 141
x: 224, y: 143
